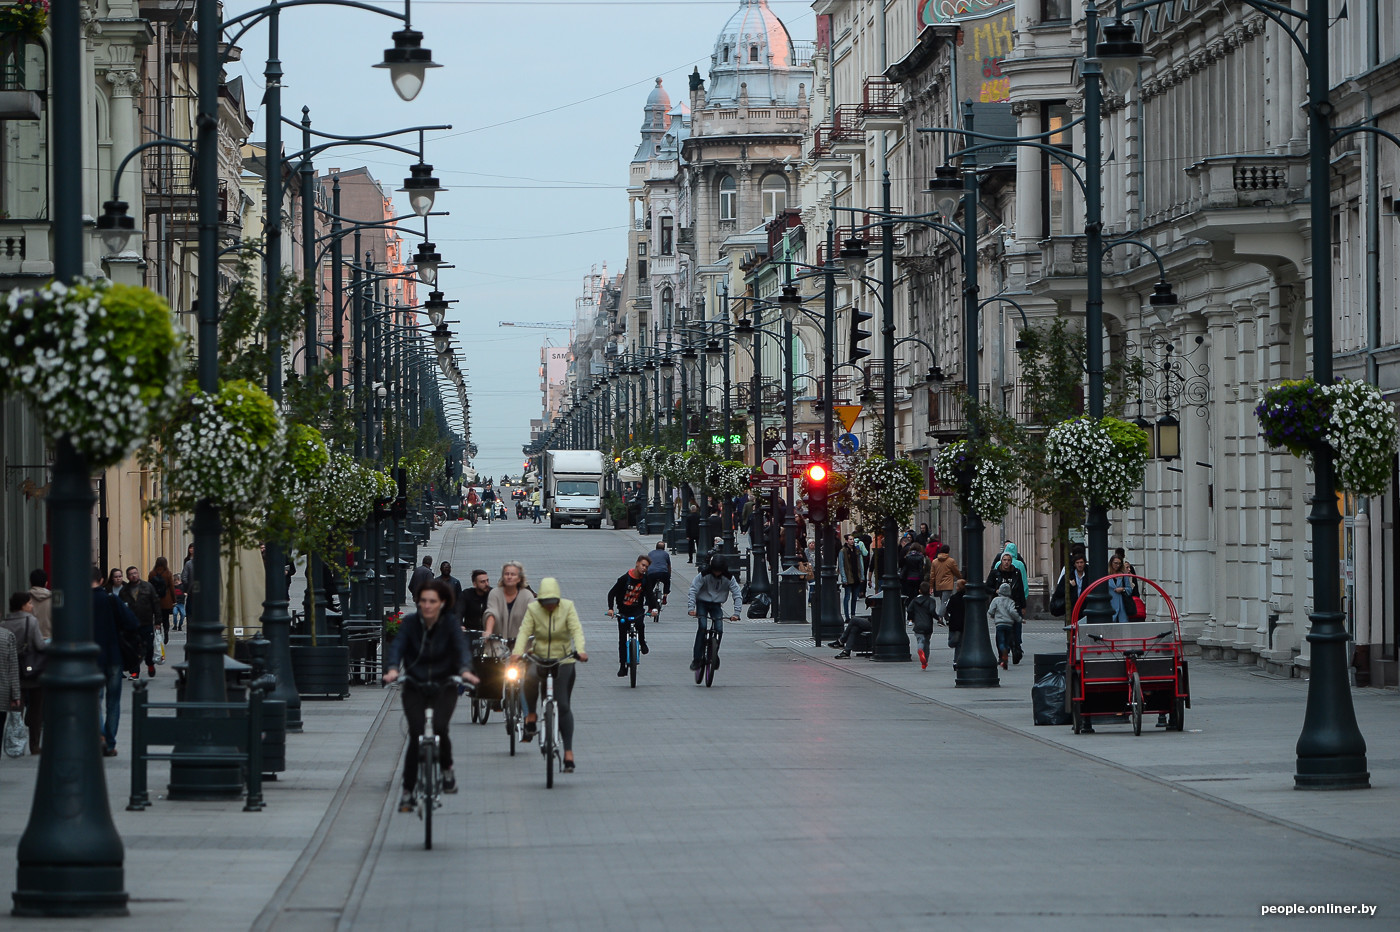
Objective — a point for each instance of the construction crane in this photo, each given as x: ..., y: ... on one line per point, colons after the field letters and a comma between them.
x: 539, y: 325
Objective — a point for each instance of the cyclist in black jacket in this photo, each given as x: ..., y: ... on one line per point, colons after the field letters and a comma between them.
x: 633, y: 594
x: 429, y: 652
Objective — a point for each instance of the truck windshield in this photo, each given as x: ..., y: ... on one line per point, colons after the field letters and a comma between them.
x: 577, y: 487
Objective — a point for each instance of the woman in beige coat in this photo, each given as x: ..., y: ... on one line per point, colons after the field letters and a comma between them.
x: 505, y: 606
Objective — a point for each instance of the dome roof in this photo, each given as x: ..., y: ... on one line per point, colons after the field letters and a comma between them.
x: 755, y: 49
x: 655, y: 122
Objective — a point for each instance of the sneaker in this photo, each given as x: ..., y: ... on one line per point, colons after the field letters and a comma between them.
x: 923, y: 659
x: 407, y: 802
x: 1001, y: 659
x: 645, y: 649
x: 150, y: 670
x: 694, y: 665
x: 109, y: 752
x: 529, y: 734
x: 568, y: 766
x: 843, y: 655
x: 449, y: 781
x: 1016, y: 658
x: 622, y: 669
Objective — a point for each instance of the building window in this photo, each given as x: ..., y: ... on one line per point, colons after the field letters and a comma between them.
x: 642, y: 248
x: 1054, y: 11
x: 668, y: 305
x: 728, y: 198
x: 724, y: 55
x: 773, y: 192
x: 1057, y: 195
x: 753, y: 53
x: 642, y: 270
x: 668, y: 236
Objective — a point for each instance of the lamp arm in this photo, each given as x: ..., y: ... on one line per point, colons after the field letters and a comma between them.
x: 1343, y: 133
x: 253, y: 17
x: 1131, y: 241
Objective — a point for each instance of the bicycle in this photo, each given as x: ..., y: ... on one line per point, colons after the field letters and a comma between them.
x: 427, y: 790
x: 550, y: 746
x: 634, y: 650
x: 493, y: 648
x: 1131, y: 656
x: 709, y: 659
x: 513, y: 705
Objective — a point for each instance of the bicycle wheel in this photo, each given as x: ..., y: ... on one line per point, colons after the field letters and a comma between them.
x: 710, y: 649
x: 1135, y: 702
x: 512, y: 713
x: 632, y: 655
x: 485, y: 710
x: 476, y: 711
x: 426, y: 788
x: 549, y: 746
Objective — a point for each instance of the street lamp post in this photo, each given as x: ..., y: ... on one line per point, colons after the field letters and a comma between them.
x: 891, y: 641
x: 759, y: 585
x: 70, y: 857
x: 828, y: 548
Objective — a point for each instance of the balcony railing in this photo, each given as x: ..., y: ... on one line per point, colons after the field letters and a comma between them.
x: 24, y: 248
x: 879, y: 97
x: 874, y: 236
x: 1247, y: 181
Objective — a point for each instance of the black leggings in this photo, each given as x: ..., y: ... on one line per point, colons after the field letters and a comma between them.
x: 563, y: 689
x: 415, y: 703
x: 622, y: 635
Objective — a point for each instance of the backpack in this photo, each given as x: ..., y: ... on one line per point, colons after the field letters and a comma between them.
x: 158, y: 584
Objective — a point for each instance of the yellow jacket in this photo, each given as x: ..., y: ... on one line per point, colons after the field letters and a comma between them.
x: 555, y: 633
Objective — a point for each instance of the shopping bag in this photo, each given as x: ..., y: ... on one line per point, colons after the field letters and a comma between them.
x: 158, y: 647
x: 16, y: 735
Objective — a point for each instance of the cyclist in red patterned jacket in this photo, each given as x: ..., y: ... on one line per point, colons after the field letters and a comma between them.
x: 632, y: 594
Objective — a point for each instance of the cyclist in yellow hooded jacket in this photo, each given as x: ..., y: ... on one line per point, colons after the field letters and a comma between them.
x: 554, y: 624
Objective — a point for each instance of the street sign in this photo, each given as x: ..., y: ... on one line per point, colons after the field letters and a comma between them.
x: 770, y: 467
x: 847, y: 414
x: 768, y: 482
x: 848, y: 444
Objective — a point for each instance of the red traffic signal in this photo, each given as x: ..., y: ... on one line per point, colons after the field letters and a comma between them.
x: 816, y: 473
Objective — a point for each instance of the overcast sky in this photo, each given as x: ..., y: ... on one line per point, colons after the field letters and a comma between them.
x: 545, y: 98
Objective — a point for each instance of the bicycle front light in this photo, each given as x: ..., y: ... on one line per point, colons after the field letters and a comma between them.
x: 512, y: 673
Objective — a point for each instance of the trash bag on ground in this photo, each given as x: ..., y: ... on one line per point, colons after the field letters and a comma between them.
x: 16, y: 735
x: 759, y: 606
x: 1048, y: 698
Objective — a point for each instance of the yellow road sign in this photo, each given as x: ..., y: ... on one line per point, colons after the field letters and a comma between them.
x: 847, y: 414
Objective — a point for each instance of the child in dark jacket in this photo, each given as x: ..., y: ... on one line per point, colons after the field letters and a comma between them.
x: 923, y: 611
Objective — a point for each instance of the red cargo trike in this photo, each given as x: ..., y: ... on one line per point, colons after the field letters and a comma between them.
x: 1124, y: 670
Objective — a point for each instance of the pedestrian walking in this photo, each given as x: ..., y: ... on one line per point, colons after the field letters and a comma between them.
x: 923, y: 612
x: 1006, y: 573
x: 953, y: 614
x: 944, y: 575
x: 9, y: 673
x: 445, y: 574
x: 913, y: 569
x: 43, y: 601
x: 113, y: 625
x: 1002, y: 612
x: 163, y: 581
x: 850, y: 575
x: 140, y: 597
x: 1121, y: 591
x: 177, y: 611
x: 422, y: 575
x: 692, y: 532
x: 29, y: 647
x: 187, y: 577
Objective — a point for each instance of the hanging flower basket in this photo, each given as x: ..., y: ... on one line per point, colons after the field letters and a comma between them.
x: 1102, y: 460
x: 27, y: 18
x: 1352, y: 418
x: 96, y: 361
x: 727, y: 477
x: 340, y: 498
x: 879, y: 488
x: 230, y: 449
x: 984, y: 478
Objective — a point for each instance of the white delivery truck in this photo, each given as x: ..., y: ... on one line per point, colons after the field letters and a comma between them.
x: 573, y: 487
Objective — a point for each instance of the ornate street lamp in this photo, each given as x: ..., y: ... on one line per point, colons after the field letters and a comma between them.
x: 407, y: 62
x: 421, y: 188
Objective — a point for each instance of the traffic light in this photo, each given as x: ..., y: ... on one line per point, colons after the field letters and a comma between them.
x: 859, y: 334
x: 817, y: 476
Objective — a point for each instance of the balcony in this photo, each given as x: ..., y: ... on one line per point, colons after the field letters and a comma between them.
x: 25, y: 249
x: 879, y: 107
x: 1064, y: 257
x: 1247, y: 181
x: 873, y: 235
x: 840, y: 136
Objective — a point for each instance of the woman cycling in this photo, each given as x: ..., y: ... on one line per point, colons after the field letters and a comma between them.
x: 429, y: 652
x: 505, y: 606
x: 554, y: 625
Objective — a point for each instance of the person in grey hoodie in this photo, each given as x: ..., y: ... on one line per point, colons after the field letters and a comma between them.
x: 706, y: 599
x: 1002, y: 613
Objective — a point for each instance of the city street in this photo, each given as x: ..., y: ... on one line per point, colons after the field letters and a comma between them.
x: 798, y: 792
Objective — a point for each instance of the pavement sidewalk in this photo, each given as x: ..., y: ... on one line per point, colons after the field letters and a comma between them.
x: 1237, y: 749
x: 211, y: 866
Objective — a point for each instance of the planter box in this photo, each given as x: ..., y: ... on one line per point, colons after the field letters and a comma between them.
x: 321, y: 672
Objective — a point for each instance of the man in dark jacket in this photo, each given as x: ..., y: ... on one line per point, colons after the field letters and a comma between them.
x: 1006, y: 572
x: 110, y: 617
x: 140, y: 596
x: 632, y: 594
x: 473, y: 605
x: 445, y: 574
x: 692, y: 531
x: 422, y: 575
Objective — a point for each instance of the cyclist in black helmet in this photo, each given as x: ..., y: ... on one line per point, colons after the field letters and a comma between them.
x: 706, y: 599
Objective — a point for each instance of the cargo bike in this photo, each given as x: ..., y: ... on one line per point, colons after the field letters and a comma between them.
x: 499, y: 689
x: 1125, y: 670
